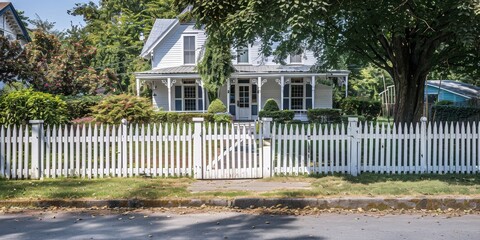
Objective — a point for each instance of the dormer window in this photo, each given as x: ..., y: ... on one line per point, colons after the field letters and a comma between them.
x: 189, y: 49
x: 296, y: 58
x: 242, y: 54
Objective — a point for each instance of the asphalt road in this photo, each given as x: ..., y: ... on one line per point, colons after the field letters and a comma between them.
x: 231, y: 225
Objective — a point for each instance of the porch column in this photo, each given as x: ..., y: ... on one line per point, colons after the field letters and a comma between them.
x: 346, y: 86
x: 169, y: 83
x: 200, y: 83
x: 313, y: 92
x: 282, y: 84
x: 137, y: 83
x: 228, y: 95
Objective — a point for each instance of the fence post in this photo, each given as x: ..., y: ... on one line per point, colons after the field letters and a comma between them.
x: 123, y: 152
x: 37, y: 143
x: 197, y: 148
x: 266, y: 146
x: 353, y: 140
x: 423, y: 145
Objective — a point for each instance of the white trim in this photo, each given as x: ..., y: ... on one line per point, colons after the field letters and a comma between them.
x: 238, y: 75
x: 161, y: 37
x: 428, y: 84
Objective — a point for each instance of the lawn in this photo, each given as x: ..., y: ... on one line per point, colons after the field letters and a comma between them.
x: 322, y: 186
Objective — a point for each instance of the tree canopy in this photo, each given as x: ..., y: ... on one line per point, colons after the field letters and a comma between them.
x: 407, y: 38
x: 114, y: 27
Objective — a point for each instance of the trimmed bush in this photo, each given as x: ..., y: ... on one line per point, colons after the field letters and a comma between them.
x: 278, y: 116
x: 455, y: 113
x: 222, y: 118
x: 354, y: 106
x: 114, y: 108
x: 81, y: 106
x: 19, y: 107
x: 217, y: 106
x: 320, y: 115
x: 271, y: 106
x: 175, y: 117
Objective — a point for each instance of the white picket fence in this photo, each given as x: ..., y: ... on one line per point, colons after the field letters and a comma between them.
x: 380, y: 148
x: 226, y: 151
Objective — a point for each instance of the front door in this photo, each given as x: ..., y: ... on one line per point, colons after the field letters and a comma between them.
x: 243, y: 102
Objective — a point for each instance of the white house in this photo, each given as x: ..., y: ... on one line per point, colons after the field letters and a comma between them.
x: 11, y: 26
x: 175, y: 47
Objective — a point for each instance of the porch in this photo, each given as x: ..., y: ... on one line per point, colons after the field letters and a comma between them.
x: 181, y: 89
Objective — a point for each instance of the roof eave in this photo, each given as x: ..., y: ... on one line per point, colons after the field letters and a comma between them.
x: 145, y: 54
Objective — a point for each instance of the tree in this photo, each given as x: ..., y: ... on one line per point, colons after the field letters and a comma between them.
x: 13, y: 61
x: 407, y: 38
x: 64, y: 67
x: 114, y: 28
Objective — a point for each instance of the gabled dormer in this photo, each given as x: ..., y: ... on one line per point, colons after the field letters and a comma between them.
x: 11, y: 26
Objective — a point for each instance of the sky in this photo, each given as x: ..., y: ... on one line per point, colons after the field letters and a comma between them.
x: 51, y: 10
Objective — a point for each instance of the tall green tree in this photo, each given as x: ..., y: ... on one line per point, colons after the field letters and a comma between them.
x: 13, y: 61
x: 406, y: 38
x: 64, y: 67
x: 114, y: 27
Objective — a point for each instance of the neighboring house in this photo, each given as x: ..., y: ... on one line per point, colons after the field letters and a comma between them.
x: 175, y: 47
x: 11, y: 25
x: 457, y: 92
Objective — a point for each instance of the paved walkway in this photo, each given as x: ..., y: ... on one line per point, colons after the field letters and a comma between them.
x: 253, y: 185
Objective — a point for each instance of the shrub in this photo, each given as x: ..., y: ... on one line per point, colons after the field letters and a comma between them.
x: 81, y: 106
x: 19, y: 107
x: 217, y: 106
x: 320, y: 115
x: 455, y: 113
x: 368, y: 108
x: 281, y: 116
x: 222, y: 118
x: 114, y: 108
x: 270, y: 106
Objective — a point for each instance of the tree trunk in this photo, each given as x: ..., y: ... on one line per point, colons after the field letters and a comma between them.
x: 409, y: 96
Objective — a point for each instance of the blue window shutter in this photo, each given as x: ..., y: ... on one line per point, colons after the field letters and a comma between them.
x: 309, y: 103
x: 286, y: 90
x: 285, y: 104
x: 200, y: 104
x: 232, y: 109
x: 255, y: 110
x: 308, y: 88
x: 178, y: 92
x: 178, y: 105
x: 199, y: 92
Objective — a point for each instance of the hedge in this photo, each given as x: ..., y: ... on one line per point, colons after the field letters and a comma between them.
x: 117, y: 107
x: 271, y: 105
x: 18, y: 107
x: 81, y: 106
x: 319, y: 115
x: 281, y: 116
x: 368, y: 108
x: 455, y: 113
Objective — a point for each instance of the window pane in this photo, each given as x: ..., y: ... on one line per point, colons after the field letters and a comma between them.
x: 189, y: 92
x: 297, y: 58
x: 190, y: 105
x: 242, y: 55
x: 189, y: 49
x: 297, y: 91
x: 297, y: 103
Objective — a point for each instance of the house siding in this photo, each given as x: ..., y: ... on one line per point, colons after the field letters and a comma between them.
x: 270, y: 89
x: 160, y: 98
x: 445, y: 95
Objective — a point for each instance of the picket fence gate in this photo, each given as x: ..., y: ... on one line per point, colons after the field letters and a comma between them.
x: 239, y: 150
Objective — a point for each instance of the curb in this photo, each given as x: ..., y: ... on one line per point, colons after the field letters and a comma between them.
x: 244, y: 203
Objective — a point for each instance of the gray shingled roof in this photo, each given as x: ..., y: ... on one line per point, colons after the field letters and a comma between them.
x: 159, y: 28
x: 239, y: 68
x: 465, y: 89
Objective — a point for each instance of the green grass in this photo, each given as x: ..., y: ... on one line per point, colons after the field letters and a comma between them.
x: 322, y: 186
